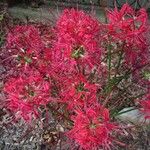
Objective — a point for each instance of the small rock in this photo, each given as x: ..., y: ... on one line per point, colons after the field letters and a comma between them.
x: 132, y: 115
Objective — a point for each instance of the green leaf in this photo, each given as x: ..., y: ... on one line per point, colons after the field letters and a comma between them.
x: 122, y: 112
x: 113, y: 82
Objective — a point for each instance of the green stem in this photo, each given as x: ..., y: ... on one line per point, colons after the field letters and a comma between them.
x: 109, y: 63
x: 119, y: 62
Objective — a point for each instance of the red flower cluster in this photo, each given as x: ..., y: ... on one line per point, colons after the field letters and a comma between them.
x: 129, y: 27
x: 78, y: 92
x: 26, y: 44
x: 26, y: 94
x: 92, y: 128
x: 24, y: 38
x: 77, y: 39
x: 65, y: 68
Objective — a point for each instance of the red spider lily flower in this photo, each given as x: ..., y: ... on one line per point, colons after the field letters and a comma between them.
x: 116, y: 15
x: 25, y: 37
x: 26, y: 44
x: 146, y: 106
x: 23, y: 110
x: 76, y: 26
x: 129, y: 27
x: 127, y: 24
x: 26, y: 93
x: 77, y: 38
x: 92, y: 128
x: 77, y: 92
